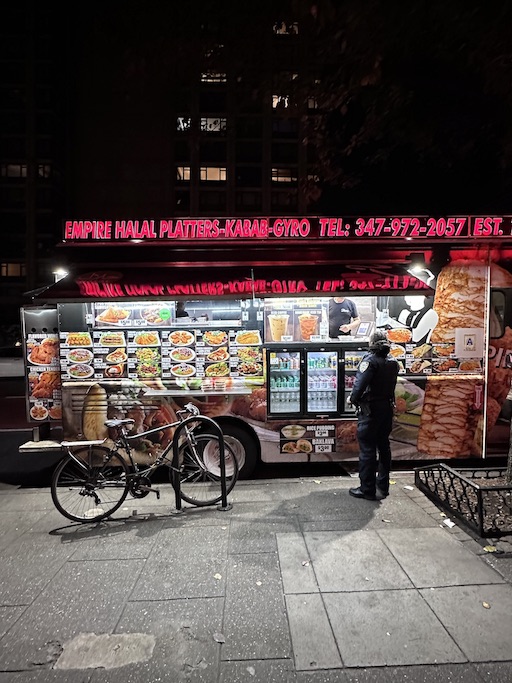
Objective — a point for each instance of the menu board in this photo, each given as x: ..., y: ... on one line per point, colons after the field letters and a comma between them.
x: 44, y: 382
x: 428, y: 358
x: 153, y: 314
x: 172, y: 354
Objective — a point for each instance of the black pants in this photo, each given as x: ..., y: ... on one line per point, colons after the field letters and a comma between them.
x: 373, y: 436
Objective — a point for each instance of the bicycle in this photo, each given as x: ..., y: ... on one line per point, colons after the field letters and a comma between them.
x: 92, y: 480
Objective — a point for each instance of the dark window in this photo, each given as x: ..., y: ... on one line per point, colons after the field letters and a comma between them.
x: 248, y: 201
x: 181, y: 150
x: 248, y: 176
x: 212, y: 200
x: 212, y: 101
x: 213, y: 151
x: 283, y: 152
x: 285, y: 128
x: 183, y: 201
x: 248, y: 151
x: 249, y: 127
x: 286, y: 201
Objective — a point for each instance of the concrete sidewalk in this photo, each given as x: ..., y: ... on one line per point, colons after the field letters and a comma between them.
x: 297, y: 583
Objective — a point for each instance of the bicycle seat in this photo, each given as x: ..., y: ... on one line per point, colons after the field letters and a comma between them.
x: 118, y: 423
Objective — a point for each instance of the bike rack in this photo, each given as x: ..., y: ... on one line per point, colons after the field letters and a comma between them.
x: 175, y: 461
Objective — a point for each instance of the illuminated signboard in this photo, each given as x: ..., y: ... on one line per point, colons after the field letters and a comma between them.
x: 117, y: 285
x: 300, y: 228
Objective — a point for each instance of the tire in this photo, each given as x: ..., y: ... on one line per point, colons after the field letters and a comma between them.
x: 94, y: 491
x: 199, y: 473
x: 244, y: 447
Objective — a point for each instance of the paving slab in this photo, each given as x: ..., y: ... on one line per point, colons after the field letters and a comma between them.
x: 257, y: 671
x: 82, y: 597
x: 42, y: 557
x: 185, y: 633
x: 497, y: 672
x: 388, y: 628
x: 307, y: 616
x: 47, y: 676
x: 297, y: 572
x: 483, y: 634
x: 249, y: 534
x: 255, y: 620
x: 185, y: 563
x: 353, y: 560
x: 15, y: 524
x: 431, y: 557
x: 438, y: 673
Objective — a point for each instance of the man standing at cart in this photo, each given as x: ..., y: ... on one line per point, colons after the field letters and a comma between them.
x: 373, y: 395
x: 343, y: 316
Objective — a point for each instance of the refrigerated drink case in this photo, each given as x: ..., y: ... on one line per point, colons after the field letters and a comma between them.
x: 284, y: 377
x: 352, y: 360
x: 322, y: 381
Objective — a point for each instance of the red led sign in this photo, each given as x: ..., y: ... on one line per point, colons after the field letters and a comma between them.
x: 278, y: 228
x: 91, y: 286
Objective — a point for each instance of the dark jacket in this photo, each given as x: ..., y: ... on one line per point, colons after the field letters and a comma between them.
x: 375, y: 380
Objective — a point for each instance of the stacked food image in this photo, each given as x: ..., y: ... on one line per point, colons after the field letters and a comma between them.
x: 44, y: 384
x: 76, y: 355
x: 110, y: 354
x: 450, y: 413
x: 182, y: 355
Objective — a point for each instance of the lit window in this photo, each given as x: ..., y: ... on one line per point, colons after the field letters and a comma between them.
x: 183, y: 173
x: 280, y: 101
x: 213, y: 77
x: 44, y: 170
x: 14, y: 171
x: 312, y: 103
x: 281, y: 28
x: 313, y: 178
x: 213, y: 173
x: 284, y: 175
x: 12, y: 270
x: 183, y: 123
x: 213, y: 125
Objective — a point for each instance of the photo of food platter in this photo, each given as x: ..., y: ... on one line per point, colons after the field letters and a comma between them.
x: 79, y: 356
x: 444, y: 365
x: 300, y: 446
x: 147, y: 339
x: 215, y: 337
x: 38, y: 412
x: 181, y: 338
x: 420, y: 366
x: 250, y: 354
x: 113, y: 315
x: 156, y: 315
x: 148, y: 370
x: 443, y: 350
x: 55, y: 412
x: 422, y: 351
x: 114, y: 371
x: 78, y: 339
x: 112, y: 339
x: 248, y: 337
x: 219, y: 354
x: 293, y: 431
x: 470, y: 365
x: 117, y: 356
x: 245, y: 368
x: 80, y: 371
x: 182, y: 355
x: 399, y: 335
x: 397, y: 351
x: 44, y: 353
x: 183, y: 370
x: 217, y: 370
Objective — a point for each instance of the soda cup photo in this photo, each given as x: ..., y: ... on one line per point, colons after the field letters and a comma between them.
x: 308, y: 325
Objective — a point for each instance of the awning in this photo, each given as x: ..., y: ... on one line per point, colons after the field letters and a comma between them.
x: 276, y: 280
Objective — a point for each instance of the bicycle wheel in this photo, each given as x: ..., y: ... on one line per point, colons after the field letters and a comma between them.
x: 199, y: 473
x: 91, y: 485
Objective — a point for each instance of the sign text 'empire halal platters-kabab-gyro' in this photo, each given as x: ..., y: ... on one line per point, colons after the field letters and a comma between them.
x: 300, y: 228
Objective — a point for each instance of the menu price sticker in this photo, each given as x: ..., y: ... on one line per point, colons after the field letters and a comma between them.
x: 316, y: 438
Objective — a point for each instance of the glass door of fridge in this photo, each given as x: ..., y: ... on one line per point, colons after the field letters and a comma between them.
x: 284, y: 375
x: 322, y: 381
x: 352, y: 360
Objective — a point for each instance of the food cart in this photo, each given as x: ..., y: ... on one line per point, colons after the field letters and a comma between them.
x: 254, y: 350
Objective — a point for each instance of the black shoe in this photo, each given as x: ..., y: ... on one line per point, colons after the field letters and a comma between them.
x: 357, y: 493
x: 381, y: 494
